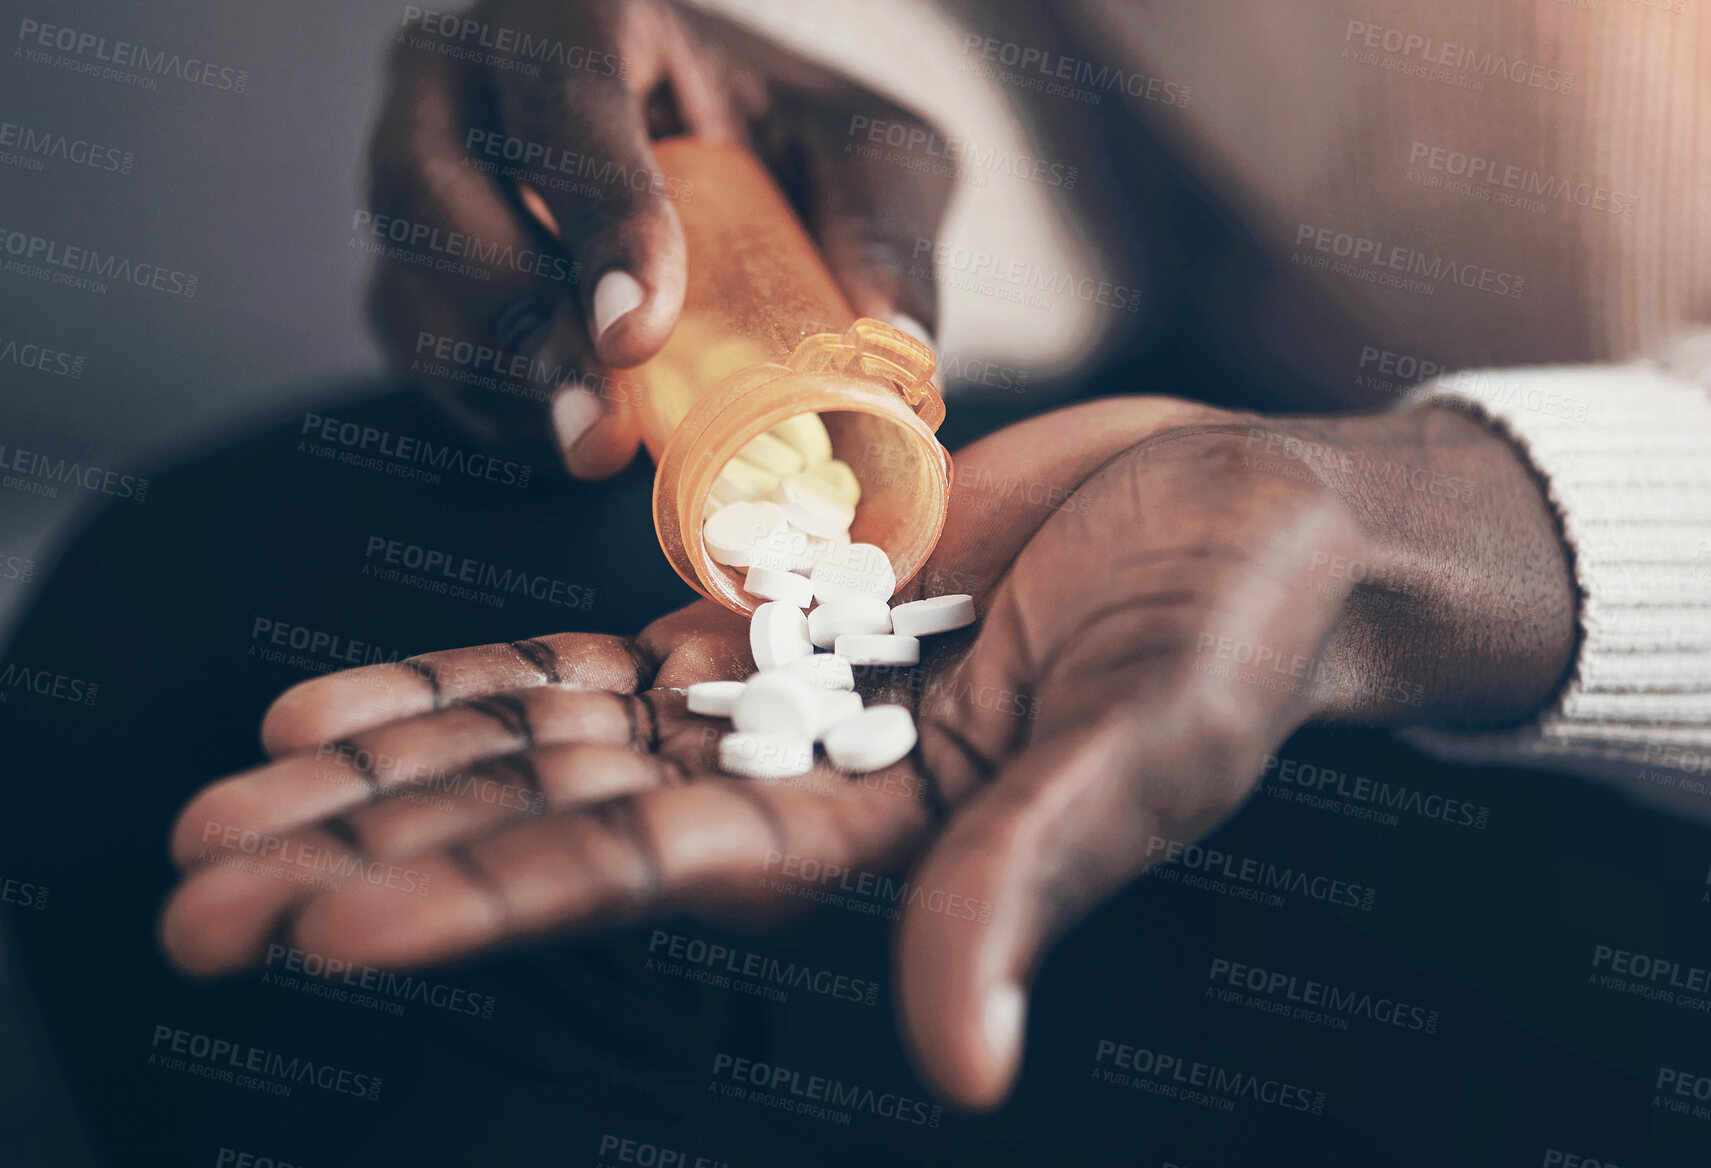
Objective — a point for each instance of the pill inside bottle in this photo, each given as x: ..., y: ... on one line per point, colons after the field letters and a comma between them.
x: 771, y: 391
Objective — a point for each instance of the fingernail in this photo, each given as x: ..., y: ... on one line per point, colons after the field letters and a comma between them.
x: 913, y: 327
x: 616, y: 294
x: 574, y: 413
x: 1001, y: 1019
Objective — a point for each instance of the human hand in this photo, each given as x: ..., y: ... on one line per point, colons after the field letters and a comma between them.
x: 518, y: 175
x: 1142, y: 548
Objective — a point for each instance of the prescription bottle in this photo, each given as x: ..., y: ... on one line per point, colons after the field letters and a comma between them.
x: 765, y: 334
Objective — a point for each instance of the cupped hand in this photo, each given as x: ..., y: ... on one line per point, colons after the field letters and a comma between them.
x: 1166, y: 594
x: 523, y: 228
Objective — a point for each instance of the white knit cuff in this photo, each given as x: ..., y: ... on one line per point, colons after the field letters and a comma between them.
x: 1625, y: 453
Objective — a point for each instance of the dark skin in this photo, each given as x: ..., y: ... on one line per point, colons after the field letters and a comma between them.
x: 634, y: 71
x: 1191, y: 605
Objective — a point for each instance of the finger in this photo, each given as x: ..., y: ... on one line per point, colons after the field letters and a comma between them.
x: 617, y: 221
x: 334, y: 707
x: 461, y: 259
x: 420, y: 818
x: 874, y: 220
x: 426, y: 751
x: 713, y: 845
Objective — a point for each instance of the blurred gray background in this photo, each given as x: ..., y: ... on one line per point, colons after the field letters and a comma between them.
x: 251, y: 192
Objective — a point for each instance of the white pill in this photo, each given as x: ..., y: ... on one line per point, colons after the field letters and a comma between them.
x: 773, y: 584
x: 838, y: 476
x: 852, y: 614
x: 823, y: 671
x: 878, y: 649
x: 778, y: 635
x: 765, y: 756
x: 775, y: 702
x: 806, y: 434
x: 788, y: 551
x: 936, y: 614
x: 872, y: 740
x: 857, y: 569
x: 714, y: 698
x: 735, y: 532
x: 810, y: 507
x: 837, y: 706
x: 771, y: 455
x: 742, y: 482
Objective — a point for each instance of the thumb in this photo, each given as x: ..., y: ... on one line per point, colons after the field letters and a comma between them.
x: 1021, y: 861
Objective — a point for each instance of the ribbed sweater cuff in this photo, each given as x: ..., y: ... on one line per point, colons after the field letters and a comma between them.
x: 1625, y: 453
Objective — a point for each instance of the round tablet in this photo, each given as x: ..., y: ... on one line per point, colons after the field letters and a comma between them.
x: 936, y: 614
x: 733, y: 533
x: 810, y: 507
x: 837, y: 706
x: 742, y: 482
x: 841, y: 480
x: 714, y: 698
x: 775, y: 702
x: 778, y: 634
x: 857, y: 569
x: 872, y: 740
x: 853, y: 614
x: 806, y: 433
x: 772, y: 584
x: 765, y: 756
x: 772, y: 455
x: 879, y: 649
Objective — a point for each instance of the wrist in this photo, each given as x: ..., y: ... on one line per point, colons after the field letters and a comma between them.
x: 1462, y: 601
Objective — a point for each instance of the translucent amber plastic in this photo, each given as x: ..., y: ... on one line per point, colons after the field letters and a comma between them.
x: 765, y: 334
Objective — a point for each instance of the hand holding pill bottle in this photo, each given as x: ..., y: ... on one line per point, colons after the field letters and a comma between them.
x: 765, y: 345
